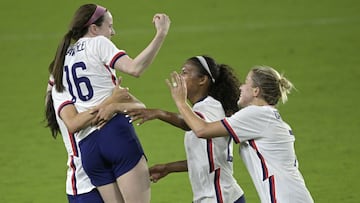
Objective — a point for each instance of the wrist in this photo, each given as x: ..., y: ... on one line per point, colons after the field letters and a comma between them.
x: 181, y: 104
x: 161, y: 34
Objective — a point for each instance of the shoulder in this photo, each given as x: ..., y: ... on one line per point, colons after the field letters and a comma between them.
x: 208, y: 103
x: 253, y: 112
x: 60, y: 96
x: 251, y: 109
x: 211, y: 108
x: 99, y: 40
x: 209, y: 100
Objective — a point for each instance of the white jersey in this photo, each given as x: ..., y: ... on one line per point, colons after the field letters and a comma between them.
x: 209, y: 161
x: 77, y: 182
x: 89, y: 73
x: 267, y: 149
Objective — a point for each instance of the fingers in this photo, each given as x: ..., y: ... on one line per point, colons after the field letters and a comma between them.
x: 119, y: 80
x: 136, y: 115
x: 169, y: 84
x: 93, y: 111
x: 100, y: 124
x: 174, y: 81
x: 162, y: 23
x: 153, y: 179
x: 161, y: 16
x: 177, y: 79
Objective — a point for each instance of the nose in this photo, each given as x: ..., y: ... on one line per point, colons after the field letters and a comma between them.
x: 112, y: 32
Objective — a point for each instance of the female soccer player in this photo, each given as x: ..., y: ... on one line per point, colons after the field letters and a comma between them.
x: 212, y: 90
x: 84, y: 65
x: 60, y: 108
x: 266, y: 141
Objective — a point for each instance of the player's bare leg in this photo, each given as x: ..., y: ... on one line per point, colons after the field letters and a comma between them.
x: 110, y: 193
x: 135, y: 184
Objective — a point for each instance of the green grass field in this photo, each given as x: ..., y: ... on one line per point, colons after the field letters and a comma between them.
x: 315, y: 43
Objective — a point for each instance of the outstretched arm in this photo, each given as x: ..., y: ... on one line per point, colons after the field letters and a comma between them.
x: 119, y: 100
x: 149, y: 114
x: 75, y: 121
x: 106, y: 112
x: 137, y: 66
x: 159, y: 171
x: 201, y: 128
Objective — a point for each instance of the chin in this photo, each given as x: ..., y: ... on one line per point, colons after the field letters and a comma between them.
x: 239, y: 104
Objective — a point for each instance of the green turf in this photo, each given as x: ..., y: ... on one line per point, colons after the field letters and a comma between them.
x: 315, y: 43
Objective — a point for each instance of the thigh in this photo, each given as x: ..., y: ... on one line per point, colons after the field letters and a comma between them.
x: 111, y: 193
x: 135, y: 184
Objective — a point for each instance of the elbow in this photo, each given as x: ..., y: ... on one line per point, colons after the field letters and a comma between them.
x: 200, y: 134
x: 135, y: 72
x: 73, y: 130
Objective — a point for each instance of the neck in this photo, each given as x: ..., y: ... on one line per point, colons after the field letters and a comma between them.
x: 259, y: 102
x: 196, y: 98
x: 89, y: 35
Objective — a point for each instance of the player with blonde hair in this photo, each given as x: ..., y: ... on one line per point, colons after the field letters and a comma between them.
x: 266, y: 141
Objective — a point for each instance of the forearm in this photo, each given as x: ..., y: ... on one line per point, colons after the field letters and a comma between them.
x: 75, y: 121
x: 122, y: 95
x: 146, y: 57
x: 200, y: 127
x: 178, y: 166
x: 82, y: 121
x: 122, y: 107
x: 173, y: 119
x: 197, y: 125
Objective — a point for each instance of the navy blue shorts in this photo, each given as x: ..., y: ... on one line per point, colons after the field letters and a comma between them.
x: 111, y: 151
x: 91, y: 197
x: 241, y: 200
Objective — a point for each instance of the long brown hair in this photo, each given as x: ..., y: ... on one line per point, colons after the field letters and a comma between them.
x: 77, y: 29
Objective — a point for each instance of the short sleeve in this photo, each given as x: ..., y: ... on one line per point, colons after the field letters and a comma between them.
x: 107, y: 51
x: 246, y: 124
x: 61, y: 99
x: 209, y: 110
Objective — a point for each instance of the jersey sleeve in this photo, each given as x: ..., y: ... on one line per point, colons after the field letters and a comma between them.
x: 246, y: 124
x: 107, y: 51
x: 61, y: 99
x: 209, y: 110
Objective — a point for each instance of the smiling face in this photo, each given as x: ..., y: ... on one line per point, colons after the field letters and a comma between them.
x: 106, y: 29
x: 248, y: 91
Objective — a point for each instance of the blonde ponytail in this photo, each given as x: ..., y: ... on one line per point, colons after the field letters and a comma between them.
x: 285, y: 87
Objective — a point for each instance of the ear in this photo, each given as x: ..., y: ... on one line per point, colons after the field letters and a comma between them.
x: 92, y: 29
x: 203, y: 80
x: 256, y: 91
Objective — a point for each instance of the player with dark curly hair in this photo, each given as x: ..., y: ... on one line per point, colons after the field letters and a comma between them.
x: 213, y: 91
